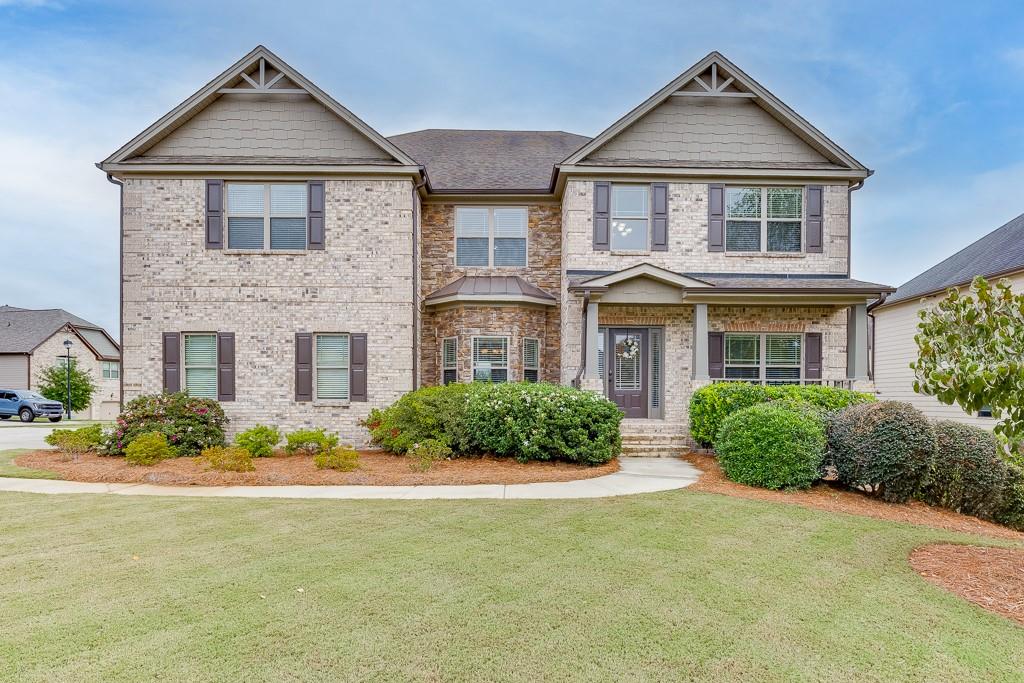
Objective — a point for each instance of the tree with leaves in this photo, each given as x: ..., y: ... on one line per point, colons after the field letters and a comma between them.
x: 971, y: 353
x: 53, y: 384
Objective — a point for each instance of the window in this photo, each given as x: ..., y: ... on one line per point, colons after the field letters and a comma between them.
x: 201, y: 365
x: 986, y: 411
x: 630, y: 207
x: 111, y: 369
x: 490, y: 359
x: 331, y: 372
x: 254, y: 222
x: 449, y: 360
x: 780, y: 362
x: 490, y: 237
x: 531, y: 360
x: 764, y: 219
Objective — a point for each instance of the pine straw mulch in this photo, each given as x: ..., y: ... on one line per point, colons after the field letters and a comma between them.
x: 992, y: 578
x: 376, y: 468
x: 824, y: 496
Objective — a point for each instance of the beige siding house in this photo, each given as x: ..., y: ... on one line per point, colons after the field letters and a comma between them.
x: 996, y: 256
x: 285, y: 258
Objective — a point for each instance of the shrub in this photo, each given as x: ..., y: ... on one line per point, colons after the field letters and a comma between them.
x: 79, y: 440
x: 711, y: 404
x: 190, y: 424
x: 772, y: 446
x: 424, y: 455
x: 148, y: 449
x: 310, y: 442
x: 884, y: 448
x: 1011, y: 505
x: 259, y: 441
x: 227, y: 459
x: 341, y: 458
x: 429, y: 413
x: 967, y: 473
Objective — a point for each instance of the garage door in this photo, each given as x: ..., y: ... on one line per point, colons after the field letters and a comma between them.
x: 13, y: 371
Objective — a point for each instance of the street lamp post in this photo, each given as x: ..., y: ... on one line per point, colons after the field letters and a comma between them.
x: 67, y: 345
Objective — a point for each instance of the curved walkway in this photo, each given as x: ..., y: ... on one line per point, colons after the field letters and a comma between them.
x: 637, y: 475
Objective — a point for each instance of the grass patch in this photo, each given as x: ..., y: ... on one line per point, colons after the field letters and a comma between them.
x: 9, y: 469
x: 671, y: 586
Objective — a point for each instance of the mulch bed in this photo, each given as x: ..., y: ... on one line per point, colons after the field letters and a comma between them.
x: 992, y: 578
x: 376, y: 468
x: 824, y: 496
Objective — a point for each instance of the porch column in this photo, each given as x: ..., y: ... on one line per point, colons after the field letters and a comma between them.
x: 591, y: 371
x: 700, y: 342
x: 857, y: 343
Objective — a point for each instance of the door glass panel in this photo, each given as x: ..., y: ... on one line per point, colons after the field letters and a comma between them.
x: 627, y: 362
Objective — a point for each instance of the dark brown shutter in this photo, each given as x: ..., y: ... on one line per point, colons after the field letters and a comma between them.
x: 225, y: 366
x: 659, y: 216
x: 172, y: 362
x: 214, y: 214
x: 812, y: 355
x: 602, y: 215
x: 716, y: 217
x: 303, y: 366
x: 814, y: 239
x: 357, y: 368
x: 315, y: 218
x: 716, y: 355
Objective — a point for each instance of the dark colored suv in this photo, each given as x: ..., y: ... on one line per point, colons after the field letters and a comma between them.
x: 28, y: 405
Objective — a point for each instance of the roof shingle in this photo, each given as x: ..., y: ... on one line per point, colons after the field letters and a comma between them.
x: 22, y: 329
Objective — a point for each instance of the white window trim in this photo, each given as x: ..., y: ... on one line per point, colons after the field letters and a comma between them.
x: 185, y: 366
x: 490, y: 235
x: 110, y: 369
x: 762, y: 352
x: 455, y: 366
x: 764, y: 220
x: 532, y: 367
x: 266, y: 218
x: 316, y: 368
x: 508, y: 359
x: 611, y: 219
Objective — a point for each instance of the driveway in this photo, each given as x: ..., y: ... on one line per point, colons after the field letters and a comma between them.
x: 14, y: 434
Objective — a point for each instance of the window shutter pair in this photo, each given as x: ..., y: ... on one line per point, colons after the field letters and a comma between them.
x: 215, y: 214
x: 813, y: 225
x: 304, y: 367
x: 225, y: 364
x: 812, y: 355
x: 603, y: 210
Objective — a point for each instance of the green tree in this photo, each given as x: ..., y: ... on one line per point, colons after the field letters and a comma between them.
x: 971, y: 353
x: 53, y: 384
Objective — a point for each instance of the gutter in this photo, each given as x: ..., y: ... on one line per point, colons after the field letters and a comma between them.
x: 416, y: 277
x: 120, y: 290
x: 583, y: 341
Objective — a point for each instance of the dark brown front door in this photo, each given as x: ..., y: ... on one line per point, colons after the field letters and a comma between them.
x: 627, y: 371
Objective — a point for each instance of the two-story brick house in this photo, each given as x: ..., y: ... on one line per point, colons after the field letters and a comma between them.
x: 281, y: 255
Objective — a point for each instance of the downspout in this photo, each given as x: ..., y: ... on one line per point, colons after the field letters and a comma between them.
x: 120, y: 292
x: 583, y: 341
x: 849, y: 223
x: 416, y: 278
x: 874, y: 329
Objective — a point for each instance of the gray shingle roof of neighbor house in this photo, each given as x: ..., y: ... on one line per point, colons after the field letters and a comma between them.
x: 482, y: 160
x: 1001, y: 251
x: 23, y: 329
x: 490, y: 287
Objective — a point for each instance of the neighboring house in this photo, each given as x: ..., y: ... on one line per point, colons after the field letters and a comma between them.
x: 996, y: 256
x: 33, y: 340
x: 284, y: 257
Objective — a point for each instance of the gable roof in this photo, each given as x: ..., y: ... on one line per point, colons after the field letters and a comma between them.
x: 735, y: 83
x: 478, y: 161
x: 22, y: 330
x: 236, y: 79
x: 997, y: 253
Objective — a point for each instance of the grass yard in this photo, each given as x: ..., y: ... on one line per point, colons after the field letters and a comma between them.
x: 9, y: 469
x: 670, y: 586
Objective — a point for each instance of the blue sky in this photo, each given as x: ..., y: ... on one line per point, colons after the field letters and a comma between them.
x: 928, y: 94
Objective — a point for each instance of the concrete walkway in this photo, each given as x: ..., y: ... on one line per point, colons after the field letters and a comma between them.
x: 637, y: 475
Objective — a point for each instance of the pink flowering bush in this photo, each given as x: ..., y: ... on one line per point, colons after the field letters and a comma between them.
x: 189, y: 424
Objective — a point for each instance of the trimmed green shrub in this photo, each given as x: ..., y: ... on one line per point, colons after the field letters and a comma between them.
x: 227, y: 459
x: 1011, y: 505
x: 883, y: 448
x: 148, y: 449
x: 771, y: 446
x: 424, y: 455
x: 310, y: 442
x: 81, y: 440
x: 429, y: 413
x: 967, y: 473
x: 341, y: 458
x: 711, y: 404
x: 190, y: 424
x: 259, y: 440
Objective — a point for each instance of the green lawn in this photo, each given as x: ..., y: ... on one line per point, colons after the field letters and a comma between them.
x: 671, y: 586
x: 9, y: 469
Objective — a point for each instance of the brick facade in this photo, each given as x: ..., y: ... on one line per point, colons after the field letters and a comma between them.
x: 105, y: 402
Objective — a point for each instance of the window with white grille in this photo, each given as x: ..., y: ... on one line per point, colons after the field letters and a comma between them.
x: 531, y: 360
x: 265, y: 216
x: 490, y: 236
x: 449, y: 360
x: 764, y: 219
x: 490, y: 359
x: 768, y: 358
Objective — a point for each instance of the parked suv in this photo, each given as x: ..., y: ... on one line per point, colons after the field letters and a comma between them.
x: 28, y: 405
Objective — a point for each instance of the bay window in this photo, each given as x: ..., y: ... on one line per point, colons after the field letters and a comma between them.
x: 490, y: 359
x: 449, y: 360
x: 531, y: 359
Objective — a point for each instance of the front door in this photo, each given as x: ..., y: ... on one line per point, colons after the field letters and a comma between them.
x: 627, y: 371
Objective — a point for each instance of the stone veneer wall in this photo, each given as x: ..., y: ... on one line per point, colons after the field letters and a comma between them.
x: 361, y: 282
x: 106, y: 401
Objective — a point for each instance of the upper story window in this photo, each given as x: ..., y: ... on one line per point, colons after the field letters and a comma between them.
x: 630, y: 210
x: 768, y: 358
x: 111, y: 369
x: 267, y: 216
x: 490, y: 236
x: 764, y: 219
x: 201, y: 364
